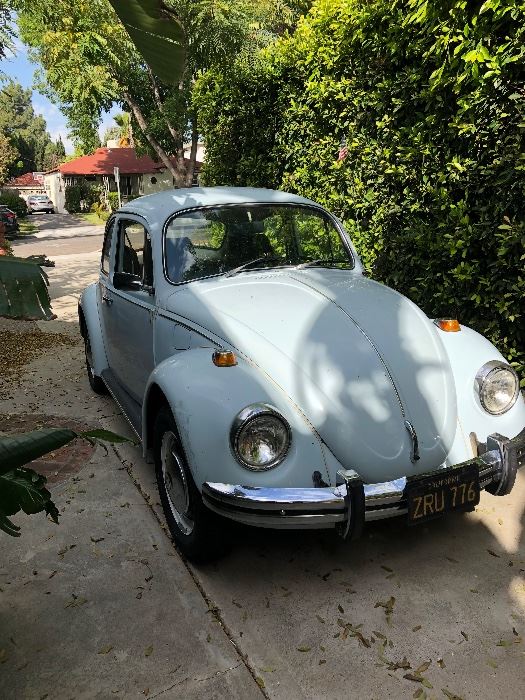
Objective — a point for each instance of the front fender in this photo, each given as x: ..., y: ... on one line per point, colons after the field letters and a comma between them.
x: 205, y: 400
x: 468, y: 351
x: 90, y: 321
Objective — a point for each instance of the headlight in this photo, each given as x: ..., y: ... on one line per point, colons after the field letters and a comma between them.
x: 260, y: 437
x: 498, y: 387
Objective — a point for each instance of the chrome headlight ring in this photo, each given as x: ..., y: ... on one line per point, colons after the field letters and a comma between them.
x: 253, y: 417
x: 490, y: 384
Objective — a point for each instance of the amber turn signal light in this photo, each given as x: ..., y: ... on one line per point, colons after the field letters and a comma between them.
x: 224, y: 358
x: 449, y: 325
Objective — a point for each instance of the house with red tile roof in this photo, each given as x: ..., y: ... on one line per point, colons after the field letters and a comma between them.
x: 26, y: 184
x: 138, y: 175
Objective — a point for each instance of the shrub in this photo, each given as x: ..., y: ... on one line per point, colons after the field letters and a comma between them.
x: 430, y: 98
x: 81, y: 196
x: 14, y: 202
x: 113, y: 200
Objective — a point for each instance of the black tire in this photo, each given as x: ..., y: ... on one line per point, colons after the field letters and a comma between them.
x: 199, y: 533
x: 95, y: 382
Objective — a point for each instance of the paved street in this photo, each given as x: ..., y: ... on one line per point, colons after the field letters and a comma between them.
x: 270, y: 619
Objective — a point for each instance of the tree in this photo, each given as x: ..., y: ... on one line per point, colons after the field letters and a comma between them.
x: 54, y: 154
x: 6, y: 32
x: 25, y: 131
x: 430, y: 99
x: 121, y: 131
x: 8, y: 156
x: 89, y: 62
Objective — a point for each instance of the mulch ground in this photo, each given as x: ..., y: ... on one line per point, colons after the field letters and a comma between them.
x: 57, y: 466
x: 17, y: 348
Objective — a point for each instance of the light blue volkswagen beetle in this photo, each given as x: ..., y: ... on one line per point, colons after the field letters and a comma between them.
x: 273, y: 384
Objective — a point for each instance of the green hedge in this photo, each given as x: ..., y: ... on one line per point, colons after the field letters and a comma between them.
x: 431, y: 100
x: 81, y: 196
x: 15, y: 203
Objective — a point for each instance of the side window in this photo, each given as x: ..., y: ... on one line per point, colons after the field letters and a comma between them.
x: 106, y: 248
x: 134, y: 252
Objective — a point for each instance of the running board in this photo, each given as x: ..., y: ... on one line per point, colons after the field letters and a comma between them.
x: 131, y: 409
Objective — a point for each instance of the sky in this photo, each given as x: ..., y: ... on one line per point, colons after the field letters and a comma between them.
x: 18, y: 67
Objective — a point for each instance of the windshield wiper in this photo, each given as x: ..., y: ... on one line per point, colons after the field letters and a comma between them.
x: 251, y: 263
x: 320, y: 262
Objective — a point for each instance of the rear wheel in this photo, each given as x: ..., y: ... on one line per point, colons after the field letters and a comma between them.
x: 198, y: 532
x: 95, y: 382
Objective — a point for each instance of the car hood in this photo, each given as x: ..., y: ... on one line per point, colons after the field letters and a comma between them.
x: 357, y: 358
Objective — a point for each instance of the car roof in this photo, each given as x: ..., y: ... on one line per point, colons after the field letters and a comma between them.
x: 156, y: 208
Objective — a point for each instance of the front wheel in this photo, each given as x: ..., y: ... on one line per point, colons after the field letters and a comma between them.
x: 198, y: 532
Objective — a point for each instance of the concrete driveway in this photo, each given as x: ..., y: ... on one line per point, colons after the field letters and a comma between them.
x: 430, y: 612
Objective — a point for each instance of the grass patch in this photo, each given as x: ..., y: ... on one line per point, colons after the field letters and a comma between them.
x: 27, y: 227
x: 90, y: 217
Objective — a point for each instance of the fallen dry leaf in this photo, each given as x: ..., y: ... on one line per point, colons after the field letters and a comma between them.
x: 493, y: 554
x: 148, y: 651
x: 421, y: 669
x: 106, y: 649
x: 450, y: 696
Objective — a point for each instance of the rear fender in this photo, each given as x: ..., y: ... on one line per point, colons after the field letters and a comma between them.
x: 205, y: 400
x: 89, y: 320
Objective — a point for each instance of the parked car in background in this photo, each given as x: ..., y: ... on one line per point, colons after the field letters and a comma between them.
x: 273, y: 384
x: 40, y: 203
x: 10, y: 220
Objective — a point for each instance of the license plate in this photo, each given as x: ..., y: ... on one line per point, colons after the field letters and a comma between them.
x: 442, y: 492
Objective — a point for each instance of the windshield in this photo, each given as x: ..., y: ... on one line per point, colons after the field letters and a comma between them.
x: 234, y: 239
x: 40, y: 198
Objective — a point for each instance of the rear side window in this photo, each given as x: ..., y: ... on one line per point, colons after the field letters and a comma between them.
x: 106, y: 248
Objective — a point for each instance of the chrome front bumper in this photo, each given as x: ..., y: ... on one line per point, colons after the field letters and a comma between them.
x: 352, y: 503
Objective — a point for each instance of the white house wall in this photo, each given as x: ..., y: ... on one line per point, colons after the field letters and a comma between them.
x: 164, y: 181
x: 55, y: 190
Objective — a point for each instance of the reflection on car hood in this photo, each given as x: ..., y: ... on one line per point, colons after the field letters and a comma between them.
x: 358, y: 359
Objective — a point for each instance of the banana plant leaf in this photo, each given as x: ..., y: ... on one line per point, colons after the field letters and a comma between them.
x: 158, y: 35
x: 24, y: 290
x: 22, y: 488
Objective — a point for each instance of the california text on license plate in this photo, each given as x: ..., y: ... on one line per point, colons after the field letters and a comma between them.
x: 439, y: 493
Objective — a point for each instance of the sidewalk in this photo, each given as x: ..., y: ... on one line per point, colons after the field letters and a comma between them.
x: 101, y: 605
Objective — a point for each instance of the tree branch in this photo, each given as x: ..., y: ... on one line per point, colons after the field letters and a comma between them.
x: 161, y: 153
x: 160, y: 106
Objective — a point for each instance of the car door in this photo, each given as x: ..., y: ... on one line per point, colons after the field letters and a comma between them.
x: 128, y: 306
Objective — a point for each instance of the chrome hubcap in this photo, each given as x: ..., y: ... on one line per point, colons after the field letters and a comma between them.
x: 174, y: 478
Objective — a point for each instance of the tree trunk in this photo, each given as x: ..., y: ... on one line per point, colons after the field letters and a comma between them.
x: 178, y: 176
x: 190, y: 167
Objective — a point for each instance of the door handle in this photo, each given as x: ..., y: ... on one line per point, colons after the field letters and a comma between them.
x: 107, y: 300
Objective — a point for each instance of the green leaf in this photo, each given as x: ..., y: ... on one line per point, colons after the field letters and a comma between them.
x: 104, y: 435
x: 157, y: 33
x: 23, y: 290
x: 17, y: 450
x: 23, y: 489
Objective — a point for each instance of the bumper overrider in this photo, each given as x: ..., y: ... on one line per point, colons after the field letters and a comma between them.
x: 352, y: 503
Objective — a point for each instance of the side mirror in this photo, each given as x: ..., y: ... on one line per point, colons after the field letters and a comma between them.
x: 123, y: 280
